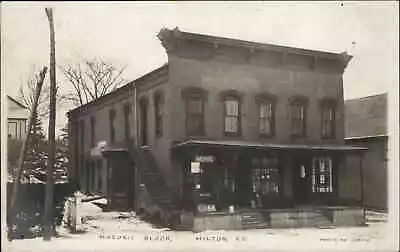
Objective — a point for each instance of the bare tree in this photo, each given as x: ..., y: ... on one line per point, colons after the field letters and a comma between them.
x: 91, y: 80
x: 26, y: 95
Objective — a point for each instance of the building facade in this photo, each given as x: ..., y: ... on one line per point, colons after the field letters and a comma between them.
x: 366, y: 126
x: 226, y: 124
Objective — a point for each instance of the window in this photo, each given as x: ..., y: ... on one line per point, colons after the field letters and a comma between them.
x: 92, y: 130
x: 322, y: 175
x: 143, y: 121
x: 12, y: 129
x: 194, y: 115
x: 328, y: 120
x: 266, y: 118
x: 158, y: 113
x: 112, y: 126
x: 127, y: 121
x: 265, y: 176
x: 298, y: 117
x: 232, y: 116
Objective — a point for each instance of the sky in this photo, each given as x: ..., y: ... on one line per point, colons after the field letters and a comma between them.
x: 125, y: 34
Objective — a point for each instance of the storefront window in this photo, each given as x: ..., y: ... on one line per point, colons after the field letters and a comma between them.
x: 265, y: 176
x: 322, y: 175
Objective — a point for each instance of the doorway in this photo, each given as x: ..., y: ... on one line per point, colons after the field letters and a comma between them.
x: 301, y: 175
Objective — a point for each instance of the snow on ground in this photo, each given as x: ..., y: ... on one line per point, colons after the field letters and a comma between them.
x: 124, y: 231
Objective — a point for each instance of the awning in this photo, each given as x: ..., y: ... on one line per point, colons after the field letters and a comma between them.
x: 270, y: 146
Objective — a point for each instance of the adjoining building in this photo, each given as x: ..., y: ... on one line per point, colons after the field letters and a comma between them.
x: 17, y: 119
x: 366, y: 126
x: 228, y: 134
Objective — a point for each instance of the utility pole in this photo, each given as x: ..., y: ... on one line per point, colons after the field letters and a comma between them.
x: 48, y: 210
x: 22, y: 154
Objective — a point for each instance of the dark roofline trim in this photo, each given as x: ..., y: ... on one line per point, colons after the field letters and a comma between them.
x: 252, y: 45
x: 17, y: 102
x: 355, y: 138
x: 122, y: 89
x: 366, y: 97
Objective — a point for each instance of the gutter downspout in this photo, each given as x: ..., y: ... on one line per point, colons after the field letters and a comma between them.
x: 362, y: 183
x: 136, y: 173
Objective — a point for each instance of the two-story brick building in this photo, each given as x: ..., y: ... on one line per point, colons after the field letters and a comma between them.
x: 225, y: 125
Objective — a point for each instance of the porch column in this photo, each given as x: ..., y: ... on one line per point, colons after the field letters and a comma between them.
x: 361, y: 156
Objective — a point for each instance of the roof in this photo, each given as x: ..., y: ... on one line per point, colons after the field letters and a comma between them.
x: 366, y: 116
x: 259, y: 145
x: 17, y: 102
x: 167, y: 34
x: 116, y: 92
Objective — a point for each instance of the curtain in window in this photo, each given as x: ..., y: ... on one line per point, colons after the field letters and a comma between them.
x: 231, y: 116
x: 328, y: 121
x: 298, y: 117
x: 266, y: 118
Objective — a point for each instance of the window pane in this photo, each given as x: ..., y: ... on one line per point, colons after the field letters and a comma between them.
x: 12, y: 129
x: 232, y: 107
x: 231, y: 124
x: 194, y: 106
x: 195, y: 125
x: 265, y: 126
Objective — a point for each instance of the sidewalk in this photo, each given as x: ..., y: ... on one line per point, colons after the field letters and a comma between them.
x: 115, y: 231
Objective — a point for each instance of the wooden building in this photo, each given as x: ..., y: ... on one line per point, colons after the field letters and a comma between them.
x: 366, y: 126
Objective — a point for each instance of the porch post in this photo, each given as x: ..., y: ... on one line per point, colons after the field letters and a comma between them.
x: 361, y: 156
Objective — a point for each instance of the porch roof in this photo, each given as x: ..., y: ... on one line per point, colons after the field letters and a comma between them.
x: 260, y: 145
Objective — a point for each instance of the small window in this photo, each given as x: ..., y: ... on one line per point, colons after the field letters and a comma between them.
x: 158, y: 113
x: 231, y: 116
x: 127, y: 121
x: 266, y: 118
x: 12, y: 129
x: 194, y: 115
x: 298, y: 118
x: 112, y: 126
x: 328, y: 121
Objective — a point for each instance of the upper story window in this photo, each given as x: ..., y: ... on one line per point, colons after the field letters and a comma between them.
x: 112, y: 126
x: 92, y: 130
x: 298, y: 116
x: 232, y: 113
x: 328, y: 111
x: 127, y: 120
x: 266, y: 113
x: 158, y: 113
x: 194, y: 103
x: 143, y: 120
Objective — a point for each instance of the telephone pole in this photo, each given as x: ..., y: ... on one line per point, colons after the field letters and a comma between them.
x: 48, y: 210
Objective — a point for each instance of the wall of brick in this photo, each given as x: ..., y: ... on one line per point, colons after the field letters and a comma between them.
x: 249, y: 79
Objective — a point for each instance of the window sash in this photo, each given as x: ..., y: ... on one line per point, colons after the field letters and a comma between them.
x: 266, y: 119
x: 232, y: 116
x: 328, y: 122
x: 298, y: 119
x: 159, y: 117
x: 194, y: 116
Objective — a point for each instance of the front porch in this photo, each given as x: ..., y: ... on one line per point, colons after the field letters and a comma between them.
x: 297, y: 217
x: 277, y: 185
